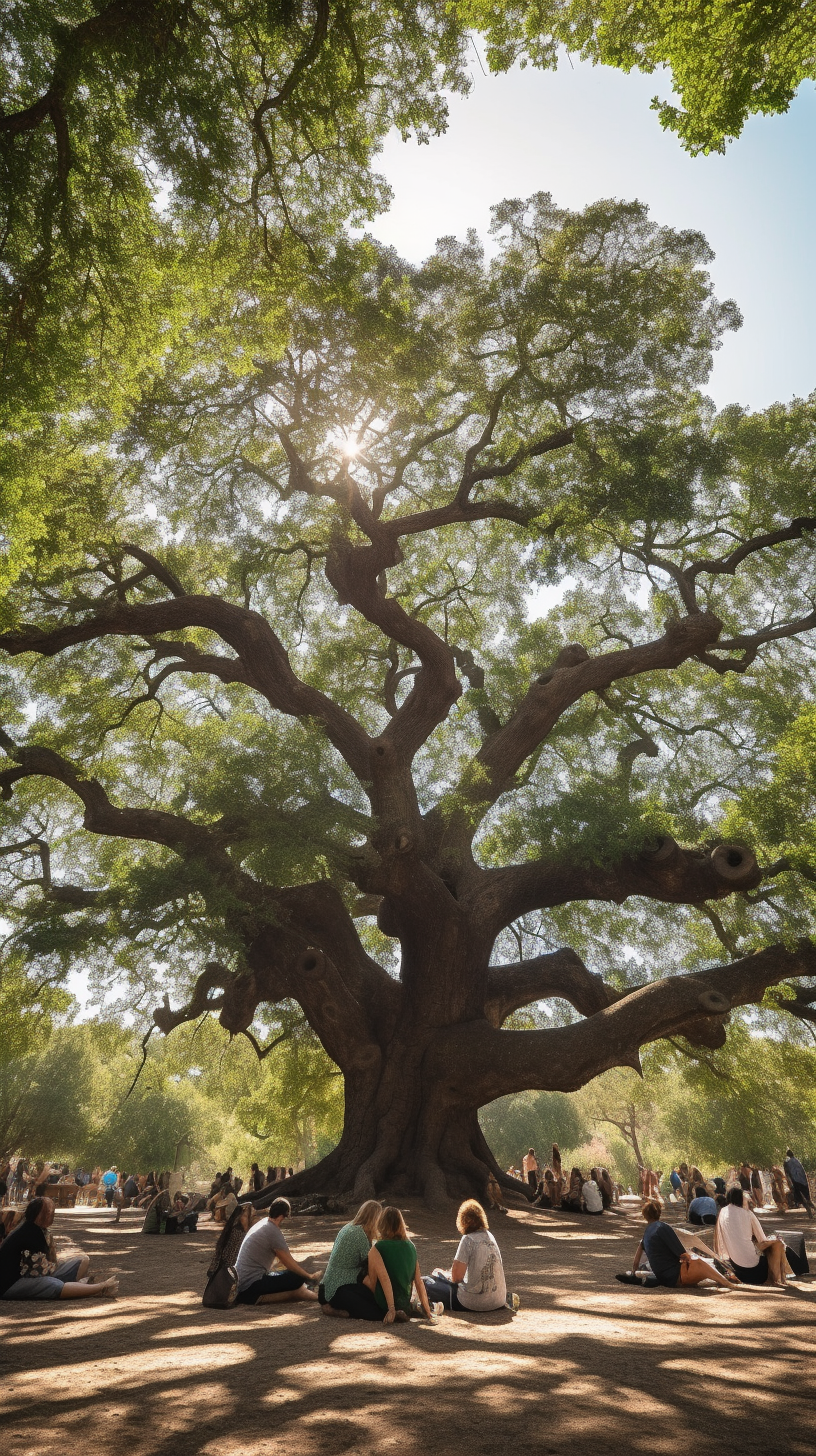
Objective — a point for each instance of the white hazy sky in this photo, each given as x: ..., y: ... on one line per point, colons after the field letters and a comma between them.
x: 587, y: 132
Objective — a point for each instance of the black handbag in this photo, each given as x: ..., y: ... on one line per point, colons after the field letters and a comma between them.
x: 222, y: 1288
x: 795, y: 1250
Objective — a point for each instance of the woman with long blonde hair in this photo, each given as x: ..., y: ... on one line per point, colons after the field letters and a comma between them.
x: 343, y: 1292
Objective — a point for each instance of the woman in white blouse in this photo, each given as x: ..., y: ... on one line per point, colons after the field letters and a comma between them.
x: 740, y: 1237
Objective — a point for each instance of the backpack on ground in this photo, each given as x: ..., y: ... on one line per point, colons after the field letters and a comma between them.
x: 222, y: 1288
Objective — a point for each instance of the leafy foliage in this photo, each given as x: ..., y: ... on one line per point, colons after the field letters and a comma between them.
x: 728, y: 60
x: 531, y: 1120
x: 568, y: 369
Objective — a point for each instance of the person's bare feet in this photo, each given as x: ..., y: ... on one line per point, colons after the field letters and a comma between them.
x: 333, y: 1313
x: 401, y: 1317
x: 108, y: 1289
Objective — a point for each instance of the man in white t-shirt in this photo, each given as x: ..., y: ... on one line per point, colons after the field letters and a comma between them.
x: 529, y: 1167
x: 740, y: 1237
x: 261, y: 1247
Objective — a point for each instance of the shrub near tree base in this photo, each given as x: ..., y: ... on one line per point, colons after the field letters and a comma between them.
x: 293, y: 685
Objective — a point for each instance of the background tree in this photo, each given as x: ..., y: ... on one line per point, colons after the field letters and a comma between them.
x: 36, y: 1100
x: 511, y: 1125
x: 750, y: 1101
x: 294, y: 684
x: 728, y: 61
x: 624, y: 1106
x: 155, y: 151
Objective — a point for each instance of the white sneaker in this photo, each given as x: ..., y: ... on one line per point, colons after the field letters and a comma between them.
x: 438, y: 1308
x: 512, y: 1301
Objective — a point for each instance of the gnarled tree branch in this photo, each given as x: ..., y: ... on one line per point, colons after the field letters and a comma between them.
x: 558, y: 974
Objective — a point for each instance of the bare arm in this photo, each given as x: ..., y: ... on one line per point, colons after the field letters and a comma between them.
x: 637, y: 1258
x: 422, y: 1292
x: 287, y: 1258
x: 378, y: 1273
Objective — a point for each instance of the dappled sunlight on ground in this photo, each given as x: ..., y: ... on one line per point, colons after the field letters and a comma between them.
x: 586, y: 1359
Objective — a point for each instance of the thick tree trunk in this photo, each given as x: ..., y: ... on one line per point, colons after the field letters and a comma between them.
x: 407, y: 1131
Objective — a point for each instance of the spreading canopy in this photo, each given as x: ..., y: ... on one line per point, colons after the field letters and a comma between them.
x: 728, y: 59
x: 413, y: 676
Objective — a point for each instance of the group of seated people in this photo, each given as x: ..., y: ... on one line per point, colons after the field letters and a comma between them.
x: 666, y: 1256
x: 576, y: 1192
x: 373, y: 1270
x: 223, y: 1196
x: 788, y: 1188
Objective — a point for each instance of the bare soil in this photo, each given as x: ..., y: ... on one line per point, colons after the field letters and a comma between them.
x: 586, y: 1360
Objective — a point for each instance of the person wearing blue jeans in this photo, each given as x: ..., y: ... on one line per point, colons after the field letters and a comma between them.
x: 475, y: 1280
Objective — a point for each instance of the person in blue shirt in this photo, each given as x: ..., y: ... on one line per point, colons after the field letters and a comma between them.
x: 702, y: 1208
x: 672, y: 1264
x: 109, y: 1182
x: 676, y: 1182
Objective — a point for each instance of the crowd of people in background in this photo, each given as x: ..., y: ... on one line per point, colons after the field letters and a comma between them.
x: 783, y: 1188
x: 22, y: 1179
x: 575, y: 1192
x: 373, y: 1271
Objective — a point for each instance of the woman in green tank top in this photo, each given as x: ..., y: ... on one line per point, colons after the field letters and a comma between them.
x: 399, y: 1256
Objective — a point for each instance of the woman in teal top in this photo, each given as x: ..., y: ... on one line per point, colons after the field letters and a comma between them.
x: 398, y: 1255
x: 345, y: 1292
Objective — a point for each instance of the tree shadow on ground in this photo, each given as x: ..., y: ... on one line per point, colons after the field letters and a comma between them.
x: 586, y: 1360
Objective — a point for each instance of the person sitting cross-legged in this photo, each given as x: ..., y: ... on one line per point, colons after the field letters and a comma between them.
x: 346, y: 1291
x: 261, y: 1246
x: 476, y: 1278
x: 399, y: 1256
x: 672, y: 1264
x: 29, y: 1268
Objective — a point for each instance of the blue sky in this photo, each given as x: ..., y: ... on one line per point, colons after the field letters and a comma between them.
x: 587, y: 132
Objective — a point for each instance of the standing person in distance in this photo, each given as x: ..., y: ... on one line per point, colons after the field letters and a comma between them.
x: 529, y: 1167
x: 109, y: 1182
x: 797, y: 1178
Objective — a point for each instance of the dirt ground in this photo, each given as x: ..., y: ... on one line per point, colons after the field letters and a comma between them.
x: 585, y: 1361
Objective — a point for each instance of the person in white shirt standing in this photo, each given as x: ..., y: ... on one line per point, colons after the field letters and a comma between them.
x: 261, y: 1246
x: 740, y: 1237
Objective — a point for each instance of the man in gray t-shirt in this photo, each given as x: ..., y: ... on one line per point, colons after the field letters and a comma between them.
x: 263, y: 1244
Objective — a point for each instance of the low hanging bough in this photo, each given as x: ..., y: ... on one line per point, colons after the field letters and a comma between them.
x: 375, y: 508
